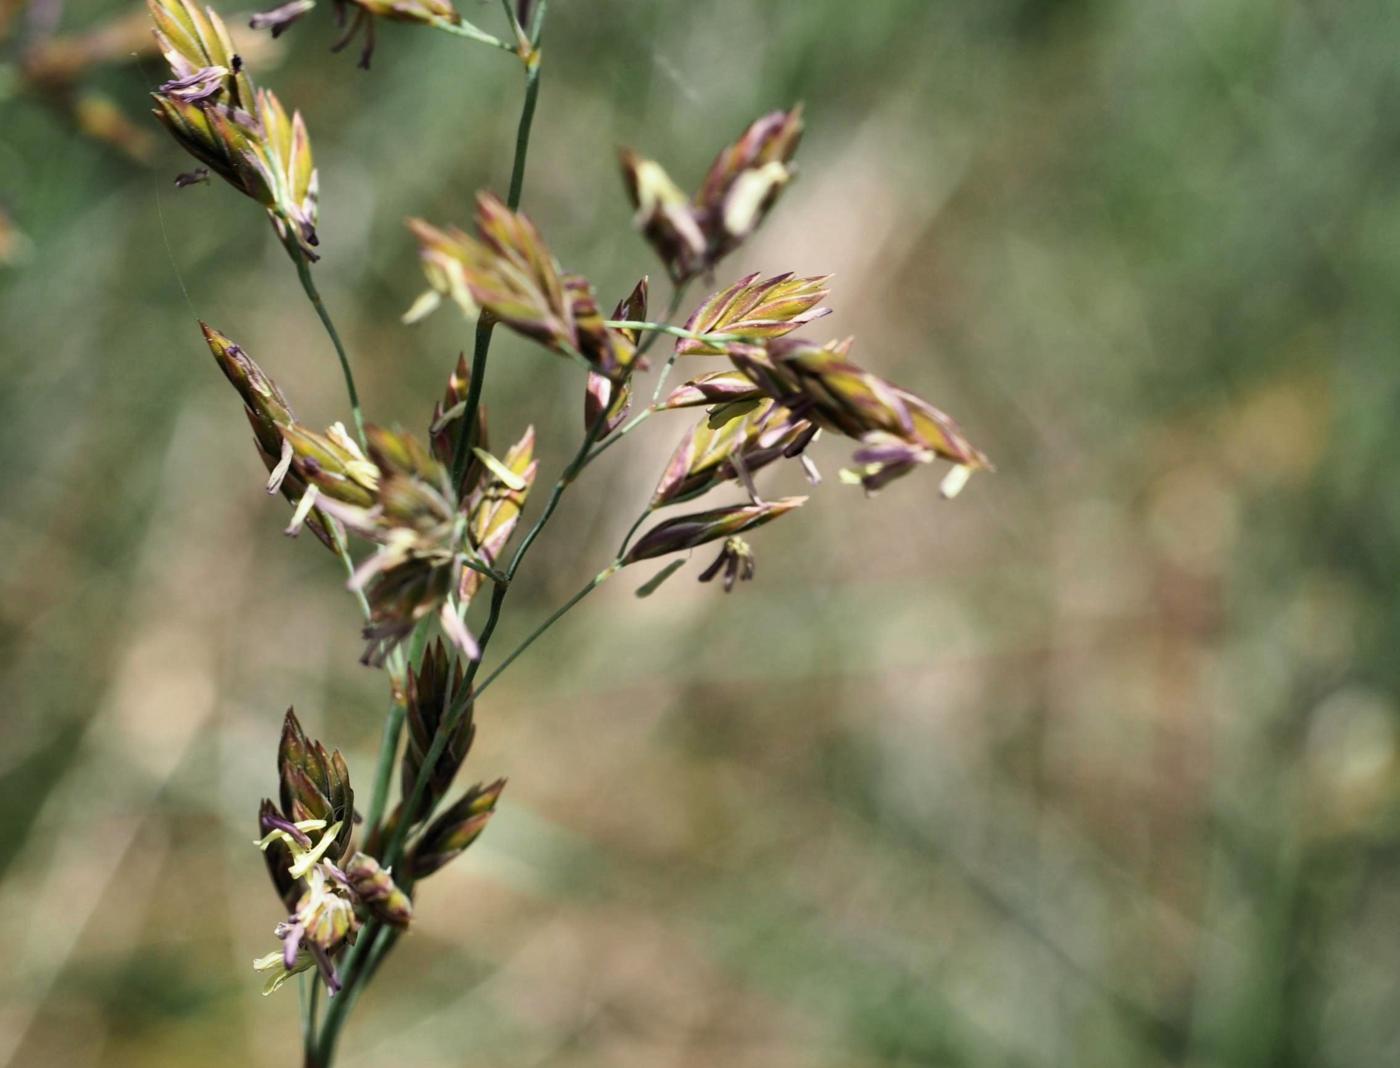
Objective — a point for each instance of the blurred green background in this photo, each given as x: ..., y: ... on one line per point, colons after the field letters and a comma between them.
x: 1096, y: 765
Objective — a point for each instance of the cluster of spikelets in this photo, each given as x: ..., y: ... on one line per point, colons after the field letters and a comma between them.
x: 329, y: 888
x: 439, y: 510
x: 779, y: 392
x: 238, y: 132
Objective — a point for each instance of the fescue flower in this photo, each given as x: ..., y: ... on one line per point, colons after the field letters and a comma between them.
x: 717, y: 387
x: 430, y: 691
x: 756, y: 311
x: 276, y: 434
x: 413, y: 518
x: 509, y: 273
x: 897, y: 430
x: 448, y: 836
x: 303, y: 841
x: 743, y: 183
x: 241, y: 134
x: 377, y: 892
x: 734, y: 443
x: 690, y: 531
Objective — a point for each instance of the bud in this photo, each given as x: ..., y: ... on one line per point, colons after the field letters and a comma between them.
x: 756, y: 311
x: 735, y: 559
x: 194, y: 39
x: 378, y: 892
x: 430, y: 691
x: 665, y: 216
x: 606, y: 399
x: 689, y: 531
x: 268, y: 409
x: 603, y: 399
x: 633, y: 307
x: 241, y: 134
x: 746, y: 178
x: 494, y: 507
x: 608, y: 351
x: 448, y: 836
x: 315, y: 784
x: 448, y: 425
x: 742, y: 184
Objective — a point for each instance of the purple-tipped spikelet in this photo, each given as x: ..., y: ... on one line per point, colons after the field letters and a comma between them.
x: 430, y: 691
x: 377, y: 891
x: 692, y: 235
x: 738, y: 440
x: 756, y: 311
x: 242, y: 134
x: 898, y: 430
x: 448, y: 836
x: 509, y: 273
x: 690, y: 531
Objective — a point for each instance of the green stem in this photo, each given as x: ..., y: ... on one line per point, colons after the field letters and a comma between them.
x: 384, y: 767
x: 677, y: 295
x: 309, y: 1034
x: 627, y: 428
x: 674, y: 331
x: 470, y: 32
x: 304, y: 273
x: 631, y: 531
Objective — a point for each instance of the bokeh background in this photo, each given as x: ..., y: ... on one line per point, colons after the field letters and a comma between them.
x: 1097, y: 765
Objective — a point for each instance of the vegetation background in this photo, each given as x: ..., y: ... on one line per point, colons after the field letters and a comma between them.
x: 1098, y: 765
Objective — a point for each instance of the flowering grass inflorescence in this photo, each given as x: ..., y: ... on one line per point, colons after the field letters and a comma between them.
x: 440, y: 511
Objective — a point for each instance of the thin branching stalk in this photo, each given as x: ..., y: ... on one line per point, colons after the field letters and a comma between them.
x: 470, y: 32
x: 553, y: 618
x: 677, y: 295
x: 304, y: 273
x: 674, y: 331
